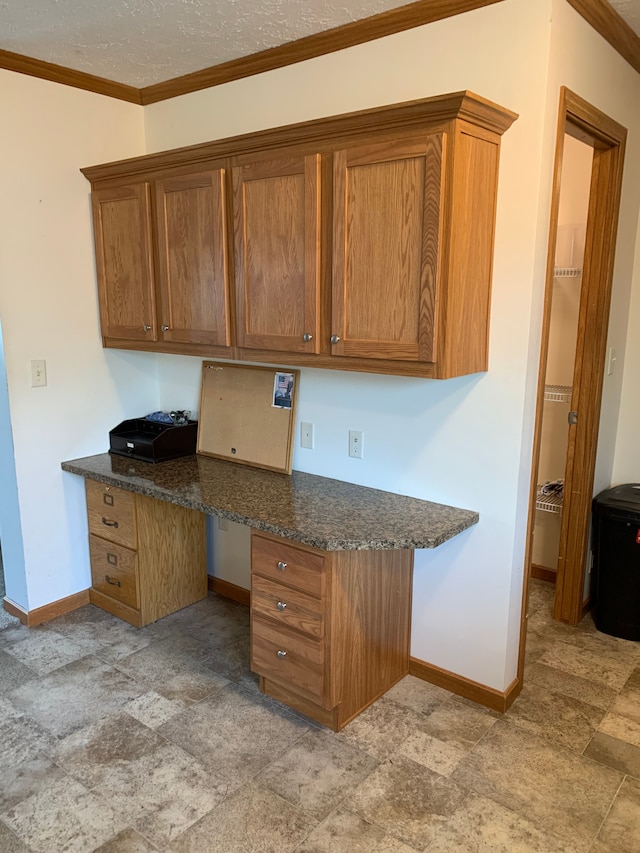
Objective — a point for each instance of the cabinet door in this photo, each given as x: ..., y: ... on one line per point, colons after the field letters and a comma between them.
x: 277, y: 254
x: 122, y: 229
x: 387, y: 209
x: 192, y: 258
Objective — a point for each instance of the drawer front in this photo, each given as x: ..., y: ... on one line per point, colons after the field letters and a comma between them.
x: 113, y: 571
x: 284, y: 563
x: 287, y: 657
x: 287, y: 606
x: 111, y: 513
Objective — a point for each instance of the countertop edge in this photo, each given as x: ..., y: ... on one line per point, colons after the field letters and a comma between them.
x: 468, y: 519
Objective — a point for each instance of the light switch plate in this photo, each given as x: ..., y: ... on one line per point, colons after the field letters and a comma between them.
x: 38, y: 373
x: 306, y: 435
x: 356, y: 440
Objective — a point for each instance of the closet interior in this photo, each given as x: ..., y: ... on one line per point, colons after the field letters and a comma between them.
x: 561, y: 355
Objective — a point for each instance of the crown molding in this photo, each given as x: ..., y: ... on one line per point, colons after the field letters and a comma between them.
x: 598, y: 13
x: 607, y: 22
x: 406, y: 116
x: 357, y: 32
x: 68, y: 77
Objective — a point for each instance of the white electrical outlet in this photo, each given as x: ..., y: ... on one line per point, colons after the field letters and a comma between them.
x: 356, y: 440
x: 306, y: 435
x: 38, y: 373
x: 611, y: 361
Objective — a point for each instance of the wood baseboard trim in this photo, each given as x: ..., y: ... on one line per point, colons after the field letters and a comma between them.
x: 586, y: 607
x: 15, y: 610
x: 488, y: 696
x: 229, y: 590
x: 542, y: 573
x: 31, y: 618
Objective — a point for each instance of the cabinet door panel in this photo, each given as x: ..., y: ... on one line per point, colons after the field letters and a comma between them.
x: 122, y: 228
x: 192, y: 258
x: 277, y: 229
x: 387, y: 211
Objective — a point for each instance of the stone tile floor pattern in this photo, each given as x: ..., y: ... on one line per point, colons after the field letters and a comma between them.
x: 125, y: 741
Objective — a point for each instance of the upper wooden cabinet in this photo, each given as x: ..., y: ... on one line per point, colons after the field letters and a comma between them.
x: 386, y: 214
x: 124, y: 265
x: 192, y: 258
x: 162, y: 262
x: 359, y: 242
x: 277, y: 253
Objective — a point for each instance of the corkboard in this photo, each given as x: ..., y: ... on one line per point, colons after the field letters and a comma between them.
x: 238, y: 420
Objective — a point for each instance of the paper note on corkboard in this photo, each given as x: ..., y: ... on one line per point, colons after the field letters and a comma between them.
x: 247, y: 414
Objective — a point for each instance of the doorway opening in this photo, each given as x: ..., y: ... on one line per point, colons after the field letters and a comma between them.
x: 573, y: 352
x: 562, y: 340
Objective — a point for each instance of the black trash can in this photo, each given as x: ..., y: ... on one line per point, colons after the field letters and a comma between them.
x: 616, y: 561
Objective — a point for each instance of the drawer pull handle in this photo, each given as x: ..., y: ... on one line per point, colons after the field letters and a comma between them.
x: 108, y: 523
x: 112, y: 559
x: 281, y: 654
x: 281, y: 566
x: 282, y: 605
x: 111, y: 581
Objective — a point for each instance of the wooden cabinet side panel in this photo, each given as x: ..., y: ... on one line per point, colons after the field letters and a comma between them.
x: 193, y: 280
x: 464, y: 316
x: 124, y: 266
x: 277, y: 253
x: 172, y: 557
x: 370, y: 625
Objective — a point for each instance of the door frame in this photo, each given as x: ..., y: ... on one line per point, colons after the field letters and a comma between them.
x: 585, y: 122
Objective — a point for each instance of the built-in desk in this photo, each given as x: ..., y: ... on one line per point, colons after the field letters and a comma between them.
x: 331, y: 567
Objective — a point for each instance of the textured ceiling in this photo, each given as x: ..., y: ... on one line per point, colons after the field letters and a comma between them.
x: 142, y: 42
x: 630, y: 11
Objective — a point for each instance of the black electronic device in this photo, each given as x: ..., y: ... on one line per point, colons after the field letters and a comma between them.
x: 151, y: 441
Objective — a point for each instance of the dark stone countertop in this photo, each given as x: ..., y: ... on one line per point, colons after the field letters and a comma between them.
x: 328, y: 514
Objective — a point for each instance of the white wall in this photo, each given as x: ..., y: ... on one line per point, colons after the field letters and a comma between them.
x: 626, y: 468
x: 10, y: 530
x: 48, y: 308
x: 460, y: 441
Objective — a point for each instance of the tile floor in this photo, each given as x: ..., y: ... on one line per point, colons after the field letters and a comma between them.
x: 124, y: 741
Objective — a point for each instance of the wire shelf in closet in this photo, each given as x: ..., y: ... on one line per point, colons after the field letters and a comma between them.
x: 557, y: 393
x: 548, y: 503
x: 567, y: 272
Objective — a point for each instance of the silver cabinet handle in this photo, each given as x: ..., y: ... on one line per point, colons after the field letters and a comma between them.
x: 164, y: 327
x: 281, y: 566
x: 335, y: 339
x: 146, y: 327
x: 307, y: 337
x: 281, y: 606
x: 281, y: 654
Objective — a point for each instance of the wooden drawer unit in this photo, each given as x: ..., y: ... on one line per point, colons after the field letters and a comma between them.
x: 114, y: 571
x: 329, y: 630
x: 287, y: 607
x: 284, y: 563
x: 148, y: 557
x: 286, y: 656
x: 111, y: 513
